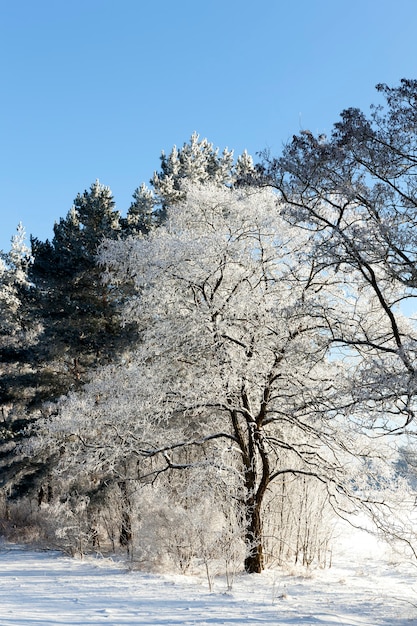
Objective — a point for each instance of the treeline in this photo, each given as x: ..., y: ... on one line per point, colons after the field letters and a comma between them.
x: 219, y: 372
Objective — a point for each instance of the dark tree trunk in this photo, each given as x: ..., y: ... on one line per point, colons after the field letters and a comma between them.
x: 126, y: 535
x: 125, y: 530
x: 257, y: 478
x: 254, y: 561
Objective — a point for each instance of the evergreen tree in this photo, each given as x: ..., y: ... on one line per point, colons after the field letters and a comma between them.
x: 19, y: 326
x: 197, y: 162
x: 141, y: 216
x: 20, y: 330
x: 13, y: 281
x: 245, y: 169
x: 82, y: 326
x: 76, y: 315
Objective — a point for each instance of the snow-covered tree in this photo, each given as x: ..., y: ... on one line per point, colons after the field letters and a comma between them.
x: 69, y: 277
x: 20, y: 329
x: 14, y: 279
x: 141, y: 216
x: 356, y: 191
x: 196, y: 162
x: 91, y: 218
x: 244, y: 169
x: 235, y: 370
x: 74, y: 316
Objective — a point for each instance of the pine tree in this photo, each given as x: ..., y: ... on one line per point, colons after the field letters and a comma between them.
x: 244, y: 169
x: 77, y: 319
x: 13, y: 280
x: 141, y: 216
x: 78, y: 306
x: 20, y: 330
x: 196, y: 162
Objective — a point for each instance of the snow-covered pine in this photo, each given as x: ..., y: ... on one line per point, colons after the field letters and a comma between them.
x: 14, y: 278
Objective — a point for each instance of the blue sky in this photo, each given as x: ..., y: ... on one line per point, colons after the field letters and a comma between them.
x: 97, y: 88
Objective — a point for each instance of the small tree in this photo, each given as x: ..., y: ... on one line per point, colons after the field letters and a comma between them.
x: 14, y: 284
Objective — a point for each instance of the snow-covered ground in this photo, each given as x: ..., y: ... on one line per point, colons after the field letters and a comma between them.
x: 366, y: 586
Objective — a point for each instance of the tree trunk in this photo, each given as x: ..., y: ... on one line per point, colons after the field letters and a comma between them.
x: 254, y: 561
x: 254, y: 457
x: 126, y: 535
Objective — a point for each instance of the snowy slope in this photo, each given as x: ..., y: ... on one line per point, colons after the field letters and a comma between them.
x: 365, y: 587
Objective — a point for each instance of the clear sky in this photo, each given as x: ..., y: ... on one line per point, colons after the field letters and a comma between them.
x: 97, y: 88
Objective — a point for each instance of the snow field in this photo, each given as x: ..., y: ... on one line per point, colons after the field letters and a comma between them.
x: 365, y: 587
